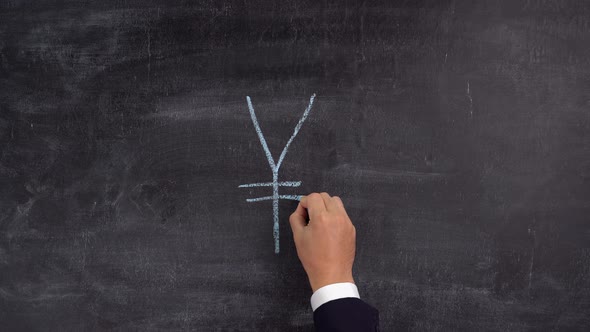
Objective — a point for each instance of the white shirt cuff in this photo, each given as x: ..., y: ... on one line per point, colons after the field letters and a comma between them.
x: 333, y: 292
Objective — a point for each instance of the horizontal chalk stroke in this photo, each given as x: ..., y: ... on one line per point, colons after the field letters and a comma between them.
x: 270, y: 198
x: 270, y: 184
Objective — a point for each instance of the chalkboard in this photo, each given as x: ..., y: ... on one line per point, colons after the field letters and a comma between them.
x: 456, y: 133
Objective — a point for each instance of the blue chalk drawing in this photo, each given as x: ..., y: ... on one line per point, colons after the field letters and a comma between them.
x: 274, y: 167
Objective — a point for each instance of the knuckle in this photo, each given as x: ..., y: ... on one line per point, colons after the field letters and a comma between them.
x: 314, y: 196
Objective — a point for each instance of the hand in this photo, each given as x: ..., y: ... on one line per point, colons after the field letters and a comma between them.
x: 325, y: 245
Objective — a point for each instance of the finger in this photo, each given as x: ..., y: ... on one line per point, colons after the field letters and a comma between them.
x: 326, y: 198
x: 301, y: 210
x: 298, y: 218
x: 339, y: 205
x: 314, y: 203
x: 303, y: 200
x: 328, y: 201
x: 337, y: 202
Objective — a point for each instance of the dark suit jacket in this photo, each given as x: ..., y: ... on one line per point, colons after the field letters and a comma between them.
x: 344, y: 315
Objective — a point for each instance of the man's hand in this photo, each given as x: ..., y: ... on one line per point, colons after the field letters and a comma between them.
x: 325, y: 245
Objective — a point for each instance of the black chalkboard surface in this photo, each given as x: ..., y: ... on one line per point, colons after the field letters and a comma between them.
x: 456, y: 132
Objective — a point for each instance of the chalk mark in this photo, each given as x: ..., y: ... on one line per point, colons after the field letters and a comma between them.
x: 470, y: 100
x: 270, y: 184
x: 274, y: 167
x: 269, y: 198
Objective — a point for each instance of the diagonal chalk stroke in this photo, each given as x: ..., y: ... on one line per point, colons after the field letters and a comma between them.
x: 295, y: 131
x: 271, y: 161
x: 275, y: 184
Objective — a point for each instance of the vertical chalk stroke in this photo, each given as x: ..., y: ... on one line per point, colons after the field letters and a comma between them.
x: 274, y: 167
x: 470, y: 100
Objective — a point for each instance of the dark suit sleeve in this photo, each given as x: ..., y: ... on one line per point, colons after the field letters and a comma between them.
x: 348, y: 314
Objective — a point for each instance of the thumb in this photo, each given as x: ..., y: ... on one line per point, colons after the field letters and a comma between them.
x: 298, y: 219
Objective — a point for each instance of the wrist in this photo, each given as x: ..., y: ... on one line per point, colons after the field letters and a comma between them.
x: 319, y: 282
